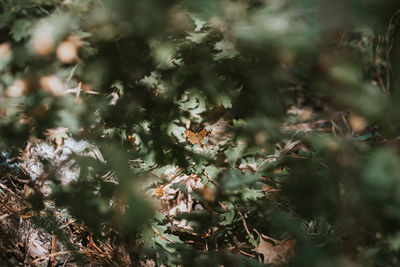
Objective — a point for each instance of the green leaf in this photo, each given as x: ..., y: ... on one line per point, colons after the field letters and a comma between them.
x: 225, y: 101
x: 239, y: 123
x: 229, y: 215
x: 177, y: 131
x: 212, y: 171
x: 227, y: 50
x: 21, y: 29
x: 381, y: 172
x: 165, y: 244
x: 234, y: 179
x: 248, y: 193
x: 235, y: 153
x: 148, y: 236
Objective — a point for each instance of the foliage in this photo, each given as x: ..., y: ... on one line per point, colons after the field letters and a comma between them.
x: 305, y: 95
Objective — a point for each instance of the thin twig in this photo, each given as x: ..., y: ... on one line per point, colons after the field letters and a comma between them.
x: 266, y: 237
x: 172, y: 178
x: 245, y: 227
x: 65, y: 262
x: 53, y: 249
x: 8, y: 189
x: 27, y: 247
x: 261, y: 164
x: 248, y: 232
x: 49, y: 255
x: 161, y: 236
x: 209, y: 178
x: 66, y: 224
x: 72, y: 72
x: 247, y: 254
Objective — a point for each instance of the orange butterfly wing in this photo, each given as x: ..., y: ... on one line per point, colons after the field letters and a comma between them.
x: 191, y: 136
x: 200, y: 135
x: 196, y: 138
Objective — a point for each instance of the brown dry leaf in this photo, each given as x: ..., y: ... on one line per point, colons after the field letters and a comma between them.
x: 275, y: 251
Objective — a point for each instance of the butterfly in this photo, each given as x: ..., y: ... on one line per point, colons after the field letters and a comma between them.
x: 196, y: 138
